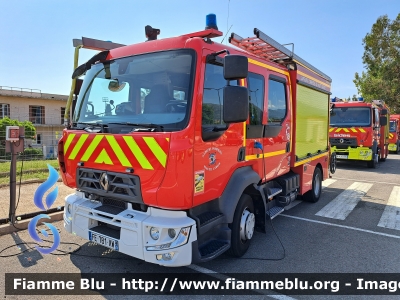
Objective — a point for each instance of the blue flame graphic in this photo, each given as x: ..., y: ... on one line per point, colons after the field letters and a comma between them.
x: 44, y: 187
x: 32, y: 232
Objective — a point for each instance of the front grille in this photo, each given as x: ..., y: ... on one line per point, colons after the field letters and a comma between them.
x: 111, y: 185
x: 113, y: 202
x: 343, y: 142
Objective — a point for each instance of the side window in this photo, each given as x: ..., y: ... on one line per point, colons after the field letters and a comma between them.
x: 276, y: 101
x: 213, y: 94
x: 212, y: 108
x: 256, y: 95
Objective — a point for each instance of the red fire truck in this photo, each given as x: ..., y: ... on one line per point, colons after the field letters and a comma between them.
x: 359, y: 131
x: 179, y: 148
x: 394, y: 134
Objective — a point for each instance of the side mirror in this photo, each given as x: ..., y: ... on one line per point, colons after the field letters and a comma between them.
x: 79, y: 71
x: 89, y: 109
x: 383, y: 121
x: 384, y: 112
x: 236, y: 104
x: 235, y: 67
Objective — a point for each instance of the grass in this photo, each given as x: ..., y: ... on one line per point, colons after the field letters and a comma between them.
x: 33, y: 169
x: 25, y: 176
x: 29, y: 165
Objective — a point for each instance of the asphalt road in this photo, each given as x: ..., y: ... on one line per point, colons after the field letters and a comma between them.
x: 354, y: 228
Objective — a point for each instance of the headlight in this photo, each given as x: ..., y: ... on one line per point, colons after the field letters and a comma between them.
x: 181, y: 239
x: 154, y: 233
x: 171, y: 233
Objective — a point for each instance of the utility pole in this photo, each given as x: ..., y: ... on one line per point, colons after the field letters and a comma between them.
x: 14, y: 144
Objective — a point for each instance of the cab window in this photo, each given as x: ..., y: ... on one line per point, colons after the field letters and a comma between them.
x: 256, y: 98
x: 276, y: 101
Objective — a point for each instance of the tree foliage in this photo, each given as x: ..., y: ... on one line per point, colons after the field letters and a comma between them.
x: 30, y: 130
x: 381, y: 78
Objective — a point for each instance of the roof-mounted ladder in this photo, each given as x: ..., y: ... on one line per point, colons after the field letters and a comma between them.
x: 267, y: 48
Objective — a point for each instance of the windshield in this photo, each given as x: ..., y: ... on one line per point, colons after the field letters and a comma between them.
x: 350, y: 116
x: 392, y: 127
x: 153, y: 90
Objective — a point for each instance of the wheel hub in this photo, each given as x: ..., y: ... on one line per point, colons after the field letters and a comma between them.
x: 247, y: 224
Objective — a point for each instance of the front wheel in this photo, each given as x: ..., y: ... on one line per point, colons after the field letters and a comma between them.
x: 242, y: 226
x: 374, y: 162
x: 315, y: 193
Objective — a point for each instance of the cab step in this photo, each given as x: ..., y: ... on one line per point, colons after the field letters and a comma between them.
x: 213, y: 248
x: 273, y: 191
x: 274, y: 211
x: 208, y: 217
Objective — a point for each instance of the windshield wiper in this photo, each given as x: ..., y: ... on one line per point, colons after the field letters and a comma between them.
x: 146, y: 127
x: 93, y: 127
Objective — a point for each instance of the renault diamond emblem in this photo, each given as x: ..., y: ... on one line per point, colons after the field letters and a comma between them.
x: 104, y: 181
x: 341, y: 141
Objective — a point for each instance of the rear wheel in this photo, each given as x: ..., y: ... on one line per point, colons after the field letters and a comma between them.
x: 332, y: 163
x: 242, y: 226
x: 314, y: 194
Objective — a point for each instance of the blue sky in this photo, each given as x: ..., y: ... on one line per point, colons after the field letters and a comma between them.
x: 36, y: 36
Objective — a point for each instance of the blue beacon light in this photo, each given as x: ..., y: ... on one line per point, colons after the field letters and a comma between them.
x: 211, y: 21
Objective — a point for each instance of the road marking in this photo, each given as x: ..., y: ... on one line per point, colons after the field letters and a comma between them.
x: 391, y: 215
x: 327, y: 182
x: 343, y: 226
x: 222, y: 277
x: 340, y: 207
x: 373, y: 181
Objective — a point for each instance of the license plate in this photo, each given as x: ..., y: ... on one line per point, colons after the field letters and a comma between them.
x: 341, y: 156
x: 103, y: 240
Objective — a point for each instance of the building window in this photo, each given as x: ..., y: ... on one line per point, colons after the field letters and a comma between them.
x: 4, y: 110
x: 36, y: 114
x: 62, y: 114
x: 38, y: 139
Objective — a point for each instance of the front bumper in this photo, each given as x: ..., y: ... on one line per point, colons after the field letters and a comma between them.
x: 392, y: 147
x: 359, y: 153
x: 131, y: 229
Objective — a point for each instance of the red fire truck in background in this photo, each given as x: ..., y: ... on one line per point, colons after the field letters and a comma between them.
x: 394, y: 134
x: 359, y: 131
x: 180, y: 148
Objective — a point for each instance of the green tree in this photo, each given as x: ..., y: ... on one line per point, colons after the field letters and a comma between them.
x: 381, y: 78
x: 30, y: 130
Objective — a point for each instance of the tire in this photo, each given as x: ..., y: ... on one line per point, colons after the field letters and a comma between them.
x: 333, y: 163
x: 374, y: 162
x: 384, y: 158
x: 242, y: 226
x: 315, y: 193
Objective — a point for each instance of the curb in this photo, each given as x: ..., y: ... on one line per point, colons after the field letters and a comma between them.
x: 22, y: 225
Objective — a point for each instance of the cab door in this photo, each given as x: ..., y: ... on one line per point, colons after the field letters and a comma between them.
x: 217, y: 144
x: 269, y: 122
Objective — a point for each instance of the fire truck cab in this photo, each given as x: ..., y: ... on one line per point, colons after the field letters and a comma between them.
x: 180, y: 148
x: 394, y: 134
x: 359, y: 131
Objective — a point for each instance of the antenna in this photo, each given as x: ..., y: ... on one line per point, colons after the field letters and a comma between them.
x: 227, y: 23
x: 226, y: 34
